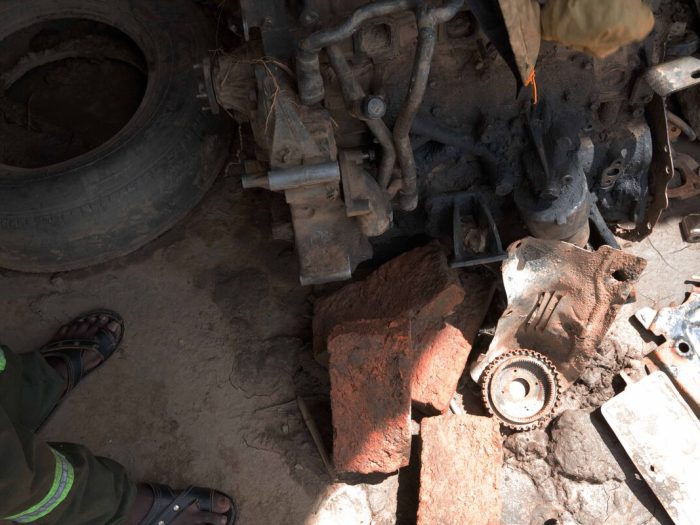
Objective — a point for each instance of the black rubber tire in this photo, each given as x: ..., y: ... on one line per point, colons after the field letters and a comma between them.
x: 123, y: 194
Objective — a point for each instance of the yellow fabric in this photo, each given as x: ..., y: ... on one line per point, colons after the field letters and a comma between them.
x: 599, y: 27
x: 522, y: 18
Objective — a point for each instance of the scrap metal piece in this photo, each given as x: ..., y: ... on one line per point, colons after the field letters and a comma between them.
x: 473, y: 209
x: 521, y: 388
x: 364, y: 198
x: 676, y: 75
x: 689, y: 171
x: 561, y: 301
x: 662, y: 438
x: 661, y: 169
x: 467, y: 219
x: 679, y: 355
x: 690, y: 225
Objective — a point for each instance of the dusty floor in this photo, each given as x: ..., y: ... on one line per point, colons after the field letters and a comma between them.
x: 204, y: 388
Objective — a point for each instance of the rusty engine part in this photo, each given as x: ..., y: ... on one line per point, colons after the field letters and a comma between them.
x: 688, y: 171
x: 554, y: 201
x: 664, y: 79
x: 420, y: 91
x: 561, y: 301
x: 679, y: 355
x: 522, y: 389
x: 690, y: 226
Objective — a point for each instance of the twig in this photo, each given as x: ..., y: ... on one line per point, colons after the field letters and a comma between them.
x: 316, y: 436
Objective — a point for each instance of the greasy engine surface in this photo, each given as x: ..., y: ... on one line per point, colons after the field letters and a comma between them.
x: 581, y: 126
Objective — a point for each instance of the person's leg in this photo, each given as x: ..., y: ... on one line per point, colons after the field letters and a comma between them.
x: 34, y: 387
x: 65, y: 482
x: 50, y: 484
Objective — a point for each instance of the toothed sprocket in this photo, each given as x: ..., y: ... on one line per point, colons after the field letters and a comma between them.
x: 522, y: 388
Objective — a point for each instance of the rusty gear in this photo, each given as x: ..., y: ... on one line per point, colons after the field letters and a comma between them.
x: 522, y: 388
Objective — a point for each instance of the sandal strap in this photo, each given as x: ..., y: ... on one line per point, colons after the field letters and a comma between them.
x: 71, y: 352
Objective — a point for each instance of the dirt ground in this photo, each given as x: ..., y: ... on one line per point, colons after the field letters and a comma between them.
x: 216, y: 350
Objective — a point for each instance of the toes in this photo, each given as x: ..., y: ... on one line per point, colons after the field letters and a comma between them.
x: 93, y: 327
x: 222, y: 504
x: 114, y: 327
x: 209, y: 518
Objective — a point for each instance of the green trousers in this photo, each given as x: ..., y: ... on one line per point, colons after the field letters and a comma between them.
x: 50, y: 483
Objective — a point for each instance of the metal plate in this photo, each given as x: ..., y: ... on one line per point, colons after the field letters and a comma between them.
x: 661, y: 435
x: 676, y: 75
x: 561, y: 301
x: 679, y: 355
x: 661, y: 170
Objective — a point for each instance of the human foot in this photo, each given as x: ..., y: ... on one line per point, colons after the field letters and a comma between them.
x: 83, y: 344
x: 159, y: 505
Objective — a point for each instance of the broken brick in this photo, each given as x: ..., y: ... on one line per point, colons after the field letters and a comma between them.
x: 370, y: 395
x: 417, y: 285
x: 441, y: 349
x: 438, y: 361
x: 461, y: 460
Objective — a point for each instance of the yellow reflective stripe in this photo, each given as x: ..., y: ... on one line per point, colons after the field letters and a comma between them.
x: 3, y: 361
x: 62, y: 484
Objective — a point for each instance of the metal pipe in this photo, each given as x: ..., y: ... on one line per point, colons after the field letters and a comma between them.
x: 296, y: 177
x: 353, y: 93
x: 682, y: 124
x: 428, y: 20
x: 308, y: 68
x: 601, y: 227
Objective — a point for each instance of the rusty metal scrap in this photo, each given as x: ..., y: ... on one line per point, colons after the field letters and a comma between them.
x: 661, y: 435
x: 679, y: 355
x: 689, y: 171
x: 561, y: 301
x: 690, y: 227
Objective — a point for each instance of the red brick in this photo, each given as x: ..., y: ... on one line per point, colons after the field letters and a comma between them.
x: 417, y: 285
x: 370, y: 395
x: 441, y: 349
x: 461, y: 460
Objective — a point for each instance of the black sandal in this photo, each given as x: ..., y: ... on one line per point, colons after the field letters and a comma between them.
x: 71, y: 351
x: 167, y: 505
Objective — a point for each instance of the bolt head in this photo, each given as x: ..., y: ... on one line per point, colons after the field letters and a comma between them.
x: 373, y: 106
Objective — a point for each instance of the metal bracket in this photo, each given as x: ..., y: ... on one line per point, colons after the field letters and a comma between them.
x: 676, y: 75
x: 679, y: 355
x: 660, y: 434
x: 689, y: 171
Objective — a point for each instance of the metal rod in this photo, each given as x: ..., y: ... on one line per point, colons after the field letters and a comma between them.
x: 296, y: 177
x: 682, y: 124
x: 353, y: 92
